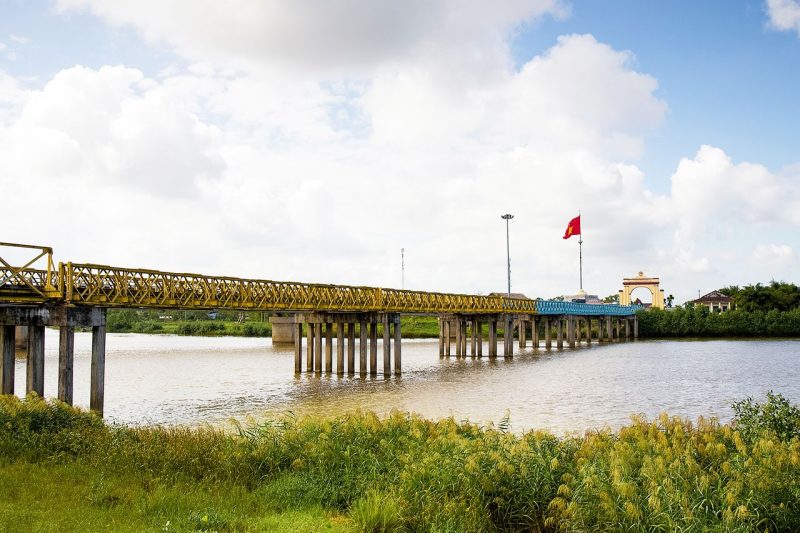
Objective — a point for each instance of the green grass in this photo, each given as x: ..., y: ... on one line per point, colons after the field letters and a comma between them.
x: 74, y: 496
x: 63, y: 469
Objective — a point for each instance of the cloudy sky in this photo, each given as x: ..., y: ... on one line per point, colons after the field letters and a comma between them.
x: 311, y: 140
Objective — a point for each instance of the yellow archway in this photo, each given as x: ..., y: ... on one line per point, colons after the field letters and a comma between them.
x: 651, y: 284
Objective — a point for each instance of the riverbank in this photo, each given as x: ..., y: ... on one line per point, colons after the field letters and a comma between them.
x: 653, y: 324
x: 360, y: 473
x: 127, y: 321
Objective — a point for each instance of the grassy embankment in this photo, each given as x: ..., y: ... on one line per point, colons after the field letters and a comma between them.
x: 62, y: 469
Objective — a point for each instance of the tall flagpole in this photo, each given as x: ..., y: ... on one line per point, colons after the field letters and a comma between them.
x: 580, y: 253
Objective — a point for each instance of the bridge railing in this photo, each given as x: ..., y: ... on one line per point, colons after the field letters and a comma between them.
x: 89, y: 284
x: 35, y: 280
x: 557, y: 307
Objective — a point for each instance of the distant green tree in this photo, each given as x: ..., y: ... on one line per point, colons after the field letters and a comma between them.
x: 612, y: 299
x: 778, y: 296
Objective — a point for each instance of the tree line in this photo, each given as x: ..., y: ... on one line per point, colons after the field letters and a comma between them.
x: 777, y: 296
x: 700, y: 322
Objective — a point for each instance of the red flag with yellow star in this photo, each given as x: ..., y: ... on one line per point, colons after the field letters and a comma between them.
x: 573, y: 228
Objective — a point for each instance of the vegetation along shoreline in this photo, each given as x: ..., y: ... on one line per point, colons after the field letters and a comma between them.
x: 64, y: 469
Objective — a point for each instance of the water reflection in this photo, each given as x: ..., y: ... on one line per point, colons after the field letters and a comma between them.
x: 157, y: 379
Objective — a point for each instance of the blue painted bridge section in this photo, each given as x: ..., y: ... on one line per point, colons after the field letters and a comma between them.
x: 557, y: 307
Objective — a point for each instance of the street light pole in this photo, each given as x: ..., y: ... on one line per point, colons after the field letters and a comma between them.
x: 508, y: 217
x: 402, y: 268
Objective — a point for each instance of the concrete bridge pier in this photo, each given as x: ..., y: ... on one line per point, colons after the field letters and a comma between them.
x: 473, y: 338
x: 463, y: 329
x: 571, y: 331
x: 459, y: 337
x: 373, y: 349
x: 8, y: 348
x: 548, y: 338
x: 35, y: 363
x: 21, y: 342
x: 363, y: 335
x: 441, y: 336
x: 588, y: 331
x: 283, y: 330
x: 636, y: 328
x: 560, y: 332
x: 479, y: 328
x: 323, y: 330
x: 508, y: 336
x: 339, y: 347
x: 35, y: 319
x: 492, y: 337
x: 318, y: 347
x: 523, y: 326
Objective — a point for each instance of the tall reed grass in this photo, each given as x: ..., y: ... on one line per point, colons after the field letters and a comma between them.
x: 403, y: 472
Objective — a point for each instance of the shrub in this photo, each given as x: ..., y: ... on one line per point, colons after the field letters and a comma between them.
x: 776, y: 415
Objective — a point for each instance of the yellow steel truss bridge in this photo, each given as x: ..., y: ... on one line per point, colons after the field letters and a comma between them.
x: 107, y: 286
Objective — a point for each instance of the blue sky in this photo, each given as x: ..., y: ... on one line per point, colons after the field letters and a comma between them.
x: 256, y: 133
x: 728, y: 78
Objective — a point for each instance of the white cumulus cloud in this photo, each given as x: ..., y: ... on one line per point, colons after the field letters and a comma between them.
x: 784, y: 14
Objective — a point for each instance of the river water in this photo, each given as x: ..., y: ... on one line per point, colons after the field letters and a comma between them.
x: 165, y: 379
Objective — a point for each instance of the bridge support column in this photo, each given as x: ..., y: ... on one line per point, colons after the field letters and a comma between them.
x: 560, y: 332
x: 479, y: 328
x: 387, y: 347
x: 473, y: 338
x: 309, y: 347
x: 97, y: 386
x: 35, y: 369
x: 66, y: 352
x: 523, y: 325
x: 548, y: 338
x: 21, y: 342
x: 340, y: 347
x: 351, y: 348
x: 588, y: 331
x: 463, y: 336
x: 441, y: 336
x: 627, y: 328
x: 283, y: 329
x: 534, y: 333
x: 362, y: 348
x: 7, y: 347
x: 609, y: 330
x: 508, y: 336
x: 328, y: 347
x: 373, y: 349
x: 447, y: 338
x: 398, y: 340
x: 298, y: 347
x: 571, y: 331
x: 492, y: 337
x: 318, y: 348
x: 636, y: 328
x: 459, y: 336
